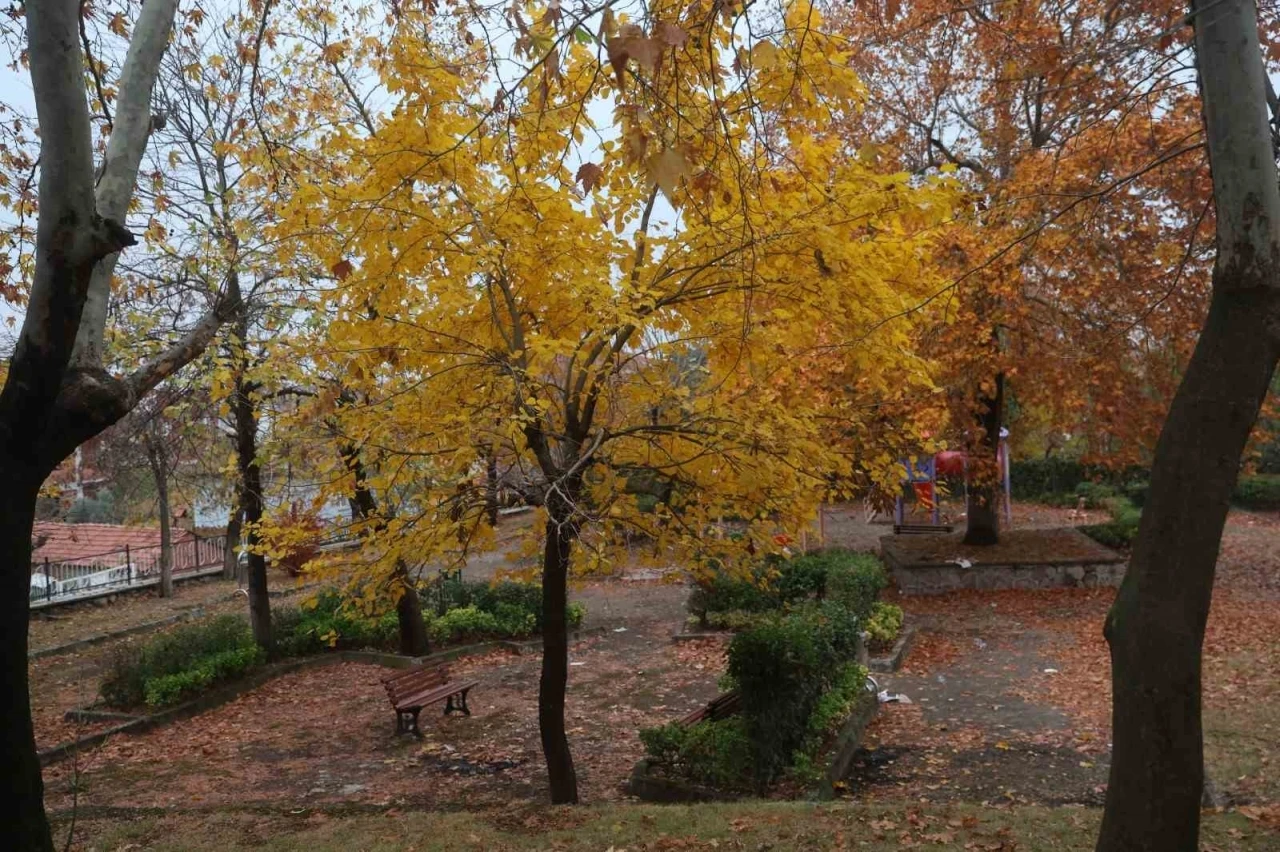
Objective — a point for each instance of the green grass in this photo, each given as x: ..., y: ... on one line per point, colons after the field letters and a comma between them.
x: 777, y: 826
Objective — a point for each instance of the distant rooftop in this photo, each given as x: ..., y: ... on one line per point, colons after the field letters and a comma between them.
x: 89, y: 544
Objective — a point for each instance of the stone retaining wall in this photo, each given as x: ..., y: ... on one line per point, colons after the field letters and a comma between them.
x: 939, y: 579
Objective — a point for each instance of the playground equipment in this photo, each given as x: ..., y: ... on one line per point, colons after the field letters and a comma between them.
x: 922, y: 478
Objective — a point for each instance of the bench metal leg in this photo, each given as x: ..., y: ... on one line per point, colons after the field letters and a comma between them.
x: 461, y: 706
x: 407, y: 722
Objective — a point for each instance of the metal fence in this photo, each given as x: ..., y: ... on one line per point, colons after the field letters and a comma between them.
x: 118, y: 570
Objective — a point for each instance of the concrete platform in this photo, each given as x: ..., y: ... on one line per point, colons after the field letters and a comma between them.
x: 1024, y: 559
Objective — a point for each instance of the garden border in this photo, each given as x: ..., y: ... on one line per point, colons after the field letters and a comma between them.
x: 228, y: 692
x: 847, y: 743
x: 892, y: 661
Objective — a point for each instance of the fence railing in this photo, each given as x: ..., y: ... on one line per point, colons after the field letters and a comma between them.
x: 117, y: 570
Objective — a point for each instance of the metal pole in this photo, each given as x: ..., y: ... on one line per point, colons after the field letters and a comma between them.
x: 128, y: 567
x: 48, y: 581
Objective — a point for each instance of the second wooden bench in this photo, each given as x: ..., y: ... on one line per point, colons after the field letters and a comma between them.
x: 419, y: 687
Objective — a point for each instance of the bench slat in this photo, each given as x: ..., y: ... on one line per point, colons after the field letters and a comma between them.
x: 431, y: 696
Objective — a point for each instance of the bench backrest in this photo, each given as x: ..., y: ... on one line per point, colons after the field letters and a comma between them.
x: 723, y: 706
x: 415, y: 680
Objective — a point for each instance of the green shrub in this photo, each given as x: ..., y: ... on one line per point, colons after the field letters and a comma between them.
x: 1095, y: 494
x: 1038, y: 479
x: 224, y: 665
x: 574, y: 614
x: 171, y: 653
x: 855, y: 580
x: 852, y: 578
x: 829, y: 713
x: 717, y: 754
x: 466, y: 623
x: 803, y: 576
x: 1261, y: 491
x: 884, y: 623
x: 782, y: 667
x: 735, y: 619
x: 1121, y: 530
x: 330, y: 622
x: 723, y: 591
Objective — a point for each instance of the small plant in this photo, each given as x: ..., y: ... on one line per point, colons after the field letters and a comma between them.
x: 884, y: 624
x: 828, y: 715
x: 224, y: 665
x: 855, y: 581
x: 1121, y: 530
x: 715, y: 753
x: 169, y: 654
x: 466, y: 623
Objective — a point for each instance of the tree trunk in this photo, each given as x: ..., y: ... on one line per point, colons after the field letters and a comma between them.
x: 413, y: 630
x: 982, y: 526
x: 491, y: 486
x: 555, y: 662
x: 1156, y: 625
x: 22, y: 805
x: 155, y: 455
x: 364, y: 507
x: 230, y: 556
x: 252, y: 508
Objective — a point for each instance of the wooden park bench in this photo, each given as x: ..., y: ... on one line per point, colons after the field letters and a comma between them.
x: 419, y: 687
x: 921, y: 529
x: 720, y: 707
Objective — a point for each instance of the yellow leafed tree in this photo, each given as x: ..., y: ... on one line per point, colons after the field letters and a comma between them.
x: 606, y: 255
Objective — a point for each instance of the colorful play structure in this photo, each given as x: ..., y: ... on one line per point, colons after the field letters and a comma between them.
x: 922, y: 478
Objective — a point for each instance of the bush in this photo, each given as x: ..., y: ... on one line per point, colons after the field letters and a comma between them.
x: 1261, y: 491
x: 717, y: 753
x: 884, y: 623
x: 224, y: 665
x: 723, y: 592
x: 828, y: 714
x: 855, y: 580
x: 782, y: 667
x: 467, y: 623
x: 735, y: 620
x: 171, y: 653
x: 1121, y: 530
x: 1038, y: 479
x: 574, y: 614
x: 328, y: 622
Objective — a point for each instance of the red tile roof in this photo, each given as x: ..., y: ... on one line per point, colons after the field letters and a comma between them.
x: 88, y: 544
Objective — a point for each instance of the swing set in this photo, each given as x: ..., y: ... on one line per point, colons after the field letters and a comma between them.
x: 922, y: 479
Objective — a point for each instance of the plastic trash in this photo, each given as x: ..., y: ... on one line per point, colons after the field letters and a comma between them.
x: 887, y: 697
x: 979, y: 644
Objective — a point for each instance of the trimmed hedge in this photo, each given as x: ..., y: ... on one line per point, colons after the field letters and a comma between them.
x: 717, y: 753
x: 1258, y: 492
x: 473, y: 611
x: 1121, y: 530
x: 782, y: 669
x: 884, y: 624
x: 1063, y: 481
x: 727, y: 600
x: 130, y: 678
x: 170, y: 689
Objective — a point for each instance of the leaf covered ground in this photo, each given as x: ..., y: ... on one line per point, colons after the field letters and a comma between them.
x: 1009, y: 714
